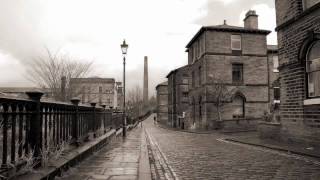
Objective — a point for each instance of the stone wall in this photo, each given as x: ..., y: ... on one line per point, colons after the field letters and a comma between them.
x: 299, y: 122
x: 162, y: 103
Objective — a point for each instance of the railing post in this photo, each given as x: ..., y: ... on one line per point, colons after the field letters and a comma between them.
x: 75, y: 120
x: 93, y: 124
x: 104, y: 118
x: 35, y: 125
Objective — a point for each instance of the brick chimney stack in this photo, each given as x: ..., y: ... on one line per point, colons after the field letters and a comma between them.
x: 251, y: 20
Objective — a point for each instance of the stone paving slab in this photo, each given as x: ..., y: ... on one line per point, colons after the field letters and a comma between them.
x: 119, y: 160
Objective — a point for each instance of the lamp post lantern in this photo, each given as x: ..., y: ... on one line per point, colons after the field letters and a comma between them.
x: 124, y: 49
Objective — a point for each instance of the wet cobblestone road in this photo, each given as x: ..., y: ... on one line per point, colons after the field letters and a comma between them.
x: 208, y: 156
x: 182, y: 155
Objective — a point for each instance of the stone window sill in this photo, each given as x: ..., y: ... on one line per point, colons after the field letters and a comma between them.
x: 311, y: 101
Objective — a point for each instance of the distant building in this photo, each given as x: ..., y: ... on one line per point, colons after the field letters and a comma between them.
x: 178, y: 96
x: 274, y: 81
x: 21, y: 91
x: 237, y: 56
x: 95, y: 89
x: 298, y: 27
x: 162, y: 103
x: 119, y: 96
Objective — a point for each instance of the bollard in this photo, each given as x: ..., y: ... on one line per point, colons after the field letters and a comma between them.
x: 93, y: 124
x: 75, y: 120
x: 104, y: 118
x: 35, y: 126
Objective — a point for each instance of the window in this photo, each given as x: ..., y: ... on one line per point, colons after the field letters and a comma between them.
x: 193, y: 80
x: 275, y: 64
x: 200, y: 78
x: 236, y: 42
x: 276, y: 94
x: 185, y: 80
x: 237, y: 73
x: 309, y: 3
x: 185, y: 94
x: 238, y: 107
x: 313, y: 70
x: 100, y: 89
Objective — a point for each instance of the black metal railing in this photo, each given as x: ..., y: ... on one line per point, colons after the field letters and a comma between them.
x: 31, y: 125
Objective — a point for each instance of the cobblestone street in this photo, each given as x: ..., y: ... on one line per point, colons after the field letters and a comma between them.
x: 208, y: 156
x: 182, y: 155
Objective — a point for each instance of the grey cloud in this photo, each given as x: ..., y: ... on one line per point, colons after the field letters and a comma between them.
x: 19, y: 27
x: 217, y: 11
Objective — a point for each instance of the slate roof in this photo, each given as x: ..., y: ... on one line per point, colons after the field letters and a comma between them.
x: 227, y: 28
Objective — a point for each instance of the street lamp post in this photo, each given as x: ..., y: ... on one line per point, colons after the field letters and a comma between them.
x: 124, y: 48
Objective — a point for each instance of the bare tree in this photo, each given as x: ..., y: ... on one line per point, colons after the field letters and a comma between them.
x: 47, y: 70
x: 219, y: 95
x: 134, y: 99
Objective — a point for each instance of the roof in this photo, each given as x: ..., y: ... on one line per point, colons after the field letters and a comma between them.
x: 18, y: 89
x: 92, y: 80
x: 227, y: 28
x: 175, y: 70
x: 162, y: 84
x: 272, y: 47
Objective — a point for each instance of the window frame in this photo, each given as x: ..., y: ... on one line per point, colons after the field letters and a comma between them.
x: 243, y: 100
x: 242, y: 72
x: 308, y: 72
x: 276, y: 100
x: 232, y: 39
x: 275, y: 69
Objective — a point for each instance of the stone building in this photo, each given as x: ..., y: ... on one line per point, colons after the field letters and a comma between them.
x: 178, y: 96
x: 95, y: 89
x: 237, y: 57
x: 298, y: 27
x: 274, y: 83
x: 162, y: 103
x: 119, y: 96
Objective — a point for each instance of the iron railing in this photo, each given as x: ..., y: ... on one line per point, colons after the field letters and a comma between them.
x: 31, y: 125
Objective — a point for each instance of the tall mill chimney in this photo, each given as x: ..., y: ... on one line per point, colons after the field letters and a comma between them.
x: 145, y: 80
x: 251, y: 20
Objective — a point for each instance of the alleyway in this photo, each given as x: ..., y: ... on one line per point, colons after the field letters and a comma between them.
x: 181, y: 155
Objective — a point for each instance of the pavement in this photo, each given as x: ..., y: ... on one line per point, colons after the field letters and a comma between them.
x: 122, y: 159
x: 156, y: 153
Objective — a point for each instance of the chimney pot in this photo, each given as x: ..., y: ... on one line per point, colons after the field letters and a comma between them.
x: 251, y: 20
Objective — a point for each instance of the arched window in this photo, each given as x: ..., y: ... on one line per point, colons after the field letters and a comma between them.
x: 238, y: 106
x: 313, y: 70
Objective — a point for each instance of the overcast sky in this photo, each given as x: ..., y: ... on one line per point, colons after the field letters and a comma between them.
x: 94, y: 29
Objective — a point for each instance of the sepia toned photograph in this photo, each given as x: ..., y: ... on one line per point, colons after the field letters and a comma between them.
x: 160, y: 89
